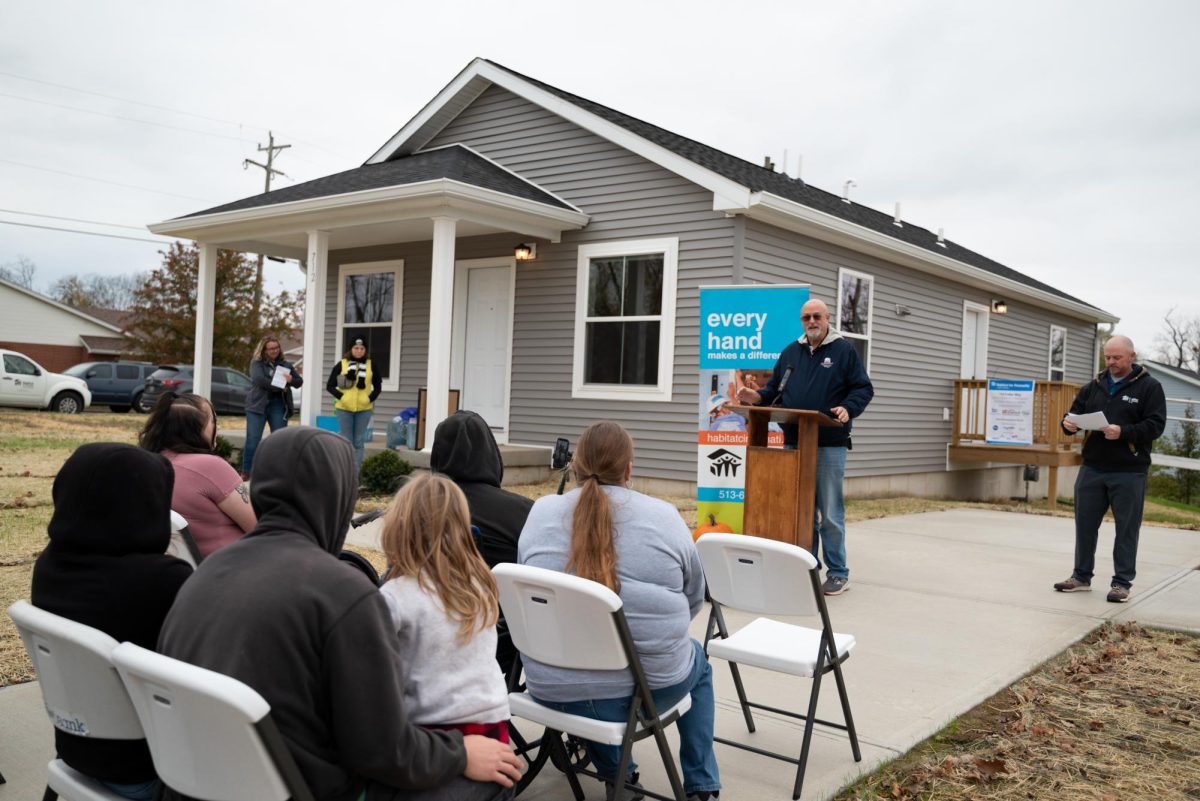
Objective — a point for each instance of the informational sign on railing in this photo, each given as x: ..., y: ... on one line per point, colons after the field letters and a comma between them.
x: 1009, y: 412
x: 743, y: 329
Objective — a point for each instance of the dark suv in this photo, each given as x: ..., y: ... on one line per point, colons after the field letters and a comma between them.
x: 229, y: 387
x: 117, y: 385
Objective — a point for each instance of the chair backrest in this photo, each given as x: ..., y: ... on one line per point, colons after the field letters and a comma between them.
x: 758, y: 575
x: 205, y: 730
x: 80, y: 687
x: 183, y: 544
x: 559, y: 619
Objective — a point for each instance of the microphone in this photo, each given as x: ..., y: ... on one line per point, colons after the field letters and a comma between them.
x: 783, y: 384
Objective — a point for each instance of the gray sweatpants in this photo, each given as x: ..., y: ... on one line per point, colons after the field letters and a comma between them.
x: 1095, y: 493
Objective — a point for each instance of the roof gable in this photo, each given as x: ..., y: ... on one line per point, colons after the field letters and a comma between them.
x: 37, y: 296
x: 736, y: 183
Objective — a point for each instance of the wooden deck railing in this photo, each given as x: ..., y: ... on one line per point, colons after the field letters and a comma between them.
x: 1051, y: 400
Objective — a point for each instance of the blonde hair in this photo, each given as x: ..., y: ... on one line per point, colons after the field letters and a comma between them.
x: 427, y: 535
x: 260, y: 351
x: 602, y: 456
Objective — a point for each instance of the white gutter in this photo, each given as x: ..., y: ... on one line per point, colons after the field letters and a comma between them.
x: 793, y: 216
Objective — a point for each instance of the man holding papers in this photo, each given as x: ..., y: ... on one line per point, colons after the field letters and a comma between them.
x: 1123, y: 411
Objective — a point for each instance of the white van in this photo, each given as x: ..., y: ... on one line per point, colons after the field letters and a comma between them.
x: 24, y: 382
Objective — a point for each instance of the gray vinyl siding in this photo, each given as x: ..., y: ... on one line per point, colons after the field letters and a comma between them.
x: 626, y: 197
x: 1178, y: 389
x: 914, y: 359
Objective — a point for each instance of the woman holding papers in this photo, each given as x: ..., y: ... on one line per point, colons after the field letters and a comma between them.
x: 272, y: 377
x: 356, y: 385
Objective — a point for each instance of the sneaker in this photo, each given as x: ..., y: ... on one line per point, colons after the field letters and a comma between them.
x: 632, y: 792
x: 704, y: 795
x: 1118, y: 594
x: 1073, y: 585
x: 835, y: 585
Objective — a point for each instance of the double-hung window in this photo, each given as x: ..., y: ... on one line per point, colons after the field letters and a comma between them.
x: 1058, y: 353
x: 369, y: 297
x: 625, y: 320
x: 855, y: 304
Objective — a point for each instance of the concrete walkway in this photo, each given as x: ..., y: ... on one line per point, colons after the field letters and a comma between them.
x: 947, y: 607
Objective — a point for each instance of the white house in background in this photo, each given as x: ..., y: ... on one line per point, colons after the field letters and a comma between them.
x: 53, y: 334
x: 543, y: 254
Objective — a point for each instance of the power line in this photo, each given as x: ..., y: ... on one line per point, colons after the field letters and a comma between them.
x: 86, y: 233
x: 106, y: 181
x: 119, y: 117
x: 74, y: 219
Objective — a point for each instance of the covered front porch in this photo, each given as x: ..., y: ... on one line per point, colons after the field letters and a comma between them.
x: 371, y: 241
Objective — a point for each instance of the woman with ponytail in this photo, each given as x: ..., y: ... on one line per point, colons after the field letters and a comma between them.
x: 640, y: 548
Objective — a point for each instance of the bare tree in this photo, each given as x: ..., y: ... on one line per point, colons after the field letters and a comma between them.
x: 98, y: 291
x: 1178, y: 344
x: 19, y: 271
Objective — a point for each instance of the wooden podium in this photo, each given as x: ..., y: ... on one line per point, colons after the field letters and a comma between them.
x: 781, y: 484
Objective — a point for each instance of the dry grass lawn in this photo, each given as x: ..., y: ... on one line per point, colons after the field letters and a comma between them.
x: 1115, y: 717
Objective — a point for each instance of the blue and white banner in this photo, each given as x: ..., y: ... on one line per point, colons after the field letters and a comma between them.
x: 743, y: 329
x: 1009, y: 412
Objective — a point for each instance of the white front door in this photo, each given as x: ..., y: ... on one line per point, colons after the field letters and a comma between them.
x: 481, y: 352
x: 974, y: 341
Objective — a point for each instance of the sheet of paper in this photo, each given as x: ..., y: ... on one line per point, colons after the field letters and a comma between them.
x: 279, y: 379
x: 1089, y: 422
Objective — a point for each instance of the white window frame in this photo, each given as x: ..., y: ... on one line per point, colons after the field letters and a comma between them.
x: 661, y: 391
x: 1050, y: 354
x: 396, y: 267
x: 843, y: 271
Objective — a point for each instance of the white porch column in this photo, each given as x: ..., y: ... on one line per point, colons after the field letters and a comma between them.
x: 206, y: 298
x: 441, y: 308
x: 316, y: 284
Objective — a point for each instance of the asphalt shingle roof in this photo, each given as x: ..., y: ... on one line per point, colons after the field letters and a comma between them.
x: 759, y: 179
x: 456, y: 163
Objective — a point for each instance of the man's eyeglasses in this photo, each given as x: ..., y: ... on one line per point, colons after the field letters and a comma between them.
x: 807, y: 317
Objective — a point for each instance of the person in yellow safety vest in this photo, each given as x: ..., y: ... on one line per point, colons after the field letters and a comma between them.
x: 356, y: 384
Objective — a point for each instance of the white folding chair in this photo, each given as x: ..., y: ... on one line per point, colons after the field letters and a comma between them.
x: 570, y: 622
x: 183, y: 544
x: 211, y: 737
x: 765, y: 576
x: 81, y: 689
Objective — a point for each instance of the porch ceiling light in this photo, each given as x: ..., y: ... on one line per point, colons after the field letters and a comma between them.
x: 999, y: 306
x: 526, y: 251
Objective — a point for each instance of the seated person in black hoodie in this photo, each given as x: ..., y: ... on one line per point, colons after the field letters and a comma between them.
x: 105, y: 567
x: 465, y: 451
x: 278, y: 611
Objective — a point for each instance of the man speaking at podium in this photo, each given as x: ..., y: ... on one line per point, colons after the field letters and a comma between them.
x: 821, y: 372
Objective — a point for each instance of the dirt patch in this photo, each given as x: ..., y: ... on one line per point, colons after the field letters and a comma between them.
x: 1115, y: 717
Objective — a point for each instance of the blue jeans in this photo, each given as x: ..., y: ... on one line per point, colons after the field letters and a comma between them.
x: 829, y: 511
x: 1095, y: 493
x: 696, y: 758
x: 141, y: 791
x: 255, y: 423
x: 353, y: 426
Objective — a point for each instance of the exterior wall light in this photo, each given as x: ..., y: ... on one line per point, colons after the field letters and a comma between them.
x: 999, y: 306
x: 526, y: 251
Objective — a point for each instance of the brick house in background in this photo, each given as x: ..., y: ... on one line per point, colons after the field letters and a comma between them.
x: 55, y: 335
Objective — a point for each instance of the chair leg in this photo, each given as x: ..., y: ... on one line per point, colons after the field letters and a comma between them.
x: 552, y: 741
x: 741, y: 694
x: 808, y: 723
x: 841, y: 685
x: 620, y: 791
x: 716, y: 620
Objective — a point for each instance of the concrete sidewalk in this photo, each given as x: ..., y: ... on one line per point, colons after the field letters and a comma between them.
x: 947, y: 607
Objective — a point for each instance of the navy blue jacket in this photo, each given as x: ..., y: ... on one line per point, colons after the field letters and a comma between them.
x: 832, y: 375
x: 1139, y: 406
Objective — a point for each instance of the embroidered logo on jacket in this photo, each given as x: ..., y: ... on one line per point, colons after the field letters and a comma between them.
x: 1128, y: 399
x: 827, y: 363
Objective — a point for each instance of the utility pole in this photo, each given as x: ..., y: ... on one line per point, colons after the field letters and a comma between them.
x: 269, y: 169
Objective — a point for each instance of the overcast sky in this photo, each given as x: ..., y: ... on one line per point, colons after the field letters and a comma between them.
x: 1059, y: 138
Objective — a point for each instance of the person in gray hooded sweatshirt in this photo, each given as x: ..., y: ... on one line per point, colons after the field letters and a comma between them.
x: 278, y: 611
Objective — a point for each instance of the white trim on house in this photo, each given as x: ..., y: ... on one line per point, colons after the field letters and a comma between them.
x: 458, y: 336
x: 61, y: 306
x: 396, y: 267
x: 424, y: 199
x: 420, y: 129
x: 1050, y: 354
x: 981, y: 342
x: 867, y: 337
x: 1174, y: 372
x: 792, y: 216
x: 661, y: 391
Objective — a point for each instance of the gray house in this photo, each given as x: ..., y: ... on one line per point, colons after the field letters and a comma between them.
x: 1180, y: 386
x: 543, y: 253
